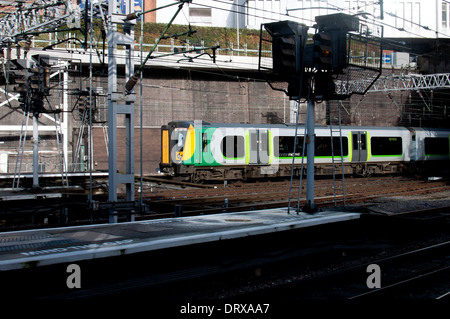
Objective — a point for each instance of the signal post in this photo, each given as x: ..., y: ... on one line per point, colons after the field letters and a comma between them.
x: 317, y: 71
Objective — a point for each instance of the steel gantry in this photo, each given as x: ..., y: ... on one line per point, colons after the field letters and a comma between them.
x: 24, y: 18
x: 120, y: 104
x: 401, y: 82
x: 404, y: 82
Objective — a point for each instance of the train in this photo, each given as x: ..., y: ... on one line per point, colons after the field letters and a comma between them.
x: 198, y: 151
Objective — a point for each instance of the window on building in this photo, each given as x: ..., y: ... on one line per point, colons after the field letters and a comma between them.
x: 402, y: 14
x: 444, y: 15
x: 416, y: 13
x: 200, y: 16
x: 251, y: 12
x: 409, y: 15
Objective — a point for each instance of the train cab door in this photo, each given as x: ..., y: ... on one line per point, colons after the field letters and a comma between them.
x: 258, y: 147
x: 359, y: 145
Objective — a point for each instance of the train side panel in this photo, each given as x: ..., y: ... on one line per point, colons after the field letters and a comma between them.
x: 241, y: 151
x: 430, y: 145
x: 389, y: 145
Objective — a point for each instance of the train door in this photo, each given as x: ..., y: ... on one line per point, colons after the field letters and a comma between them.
x: 413, y: 146
x: 258, y: 146
x: 359, y: 142
x: 263, y: 147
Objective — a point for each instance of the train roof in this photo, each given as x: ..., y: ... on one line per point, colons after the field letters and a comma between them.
x: 292, y: 125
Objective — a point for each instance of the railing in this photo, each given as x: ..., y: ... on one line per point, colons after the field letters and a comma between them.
x: 241, y: 50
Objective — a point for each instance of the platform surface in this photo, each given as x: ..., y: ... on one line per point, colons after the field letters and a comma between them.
x: 33, y: 248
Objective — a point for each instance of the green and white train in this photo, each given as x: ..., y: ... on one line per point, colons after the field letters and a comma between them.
x: 200, y: 151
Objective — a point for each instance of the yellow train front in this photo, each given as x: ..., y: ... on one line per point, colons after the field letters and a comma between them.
x: 198, y: 151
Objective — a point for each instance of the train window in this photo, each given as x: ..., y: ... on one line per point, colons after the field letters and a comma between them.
x: 264, y: 139
x: 179, y: 135
x: 436, y: 146
x: 323, y: 146
x: 363, y: 141
x: 355, y: 142
x: 386, y: 146
x: 233, y: 146
x: 286, y: 146
x: 180, y: 140
x: 205, y: 142
x: 254, y: 141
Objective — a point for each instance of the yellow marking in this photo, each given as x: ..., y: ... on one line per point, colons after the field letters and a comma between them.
x: 350, y: 146
x: 165, y: 147
x: 189, y: 145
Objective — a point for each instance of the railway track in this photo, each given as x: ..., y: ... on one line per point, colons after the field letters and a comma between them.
x: 335, y: 260
x: 326, y: 263
x: 422, y: 273
x: 271, y: 195
x: 188, y: 200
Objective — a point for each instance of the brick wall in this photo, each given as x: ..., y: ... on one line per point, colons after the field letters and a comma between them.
x: 186, y: 95
x: 151, y: 146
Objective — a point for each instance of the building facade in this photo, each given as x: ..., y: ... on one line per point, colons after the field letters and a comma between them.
x: 401, y: 19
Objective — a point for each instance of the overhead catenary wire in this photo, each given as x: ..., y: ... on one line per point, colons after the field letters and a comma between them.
x: 272, y: 12
x: 240, y: 13
x: 335, y: 6
x: 230, y: 10
x: 133, y: 79
x: 222, y: 71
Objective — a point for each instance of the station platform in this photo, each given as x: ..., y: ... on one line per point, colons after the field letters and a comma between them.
x: 34, y: 248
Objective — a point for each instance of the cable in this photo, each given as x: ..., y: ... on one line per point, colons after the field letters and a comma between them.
x: 252, y: 15
x: 338, y: 7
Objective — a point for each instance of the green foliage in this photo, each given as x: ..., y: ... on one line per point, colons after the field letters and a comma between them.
x: 226, y: 38
x: 209, y: 35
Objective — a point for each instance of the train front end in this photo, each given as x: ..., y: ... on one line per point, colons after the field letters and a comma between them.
x: 177, y: 148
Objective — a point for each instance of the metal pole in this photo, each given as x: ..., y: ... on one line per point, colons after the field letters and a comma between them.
x: 310, y: 207
x: 293, y: 156
x: 121, y: 105
x: 133, y: 79
x: 141, y: 122
x: 342, y: 150
x: 35, y: 151
x: 332, y: 150
x: 90, y: 132
x: 237, y: 27
x: 65, y: 121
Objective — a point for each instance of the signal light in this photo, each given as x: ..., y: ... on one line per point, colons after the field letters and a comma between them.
x: 323, y: 51
x: 284, y: 55
x: 330, y: 51
x: 288, y: 41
